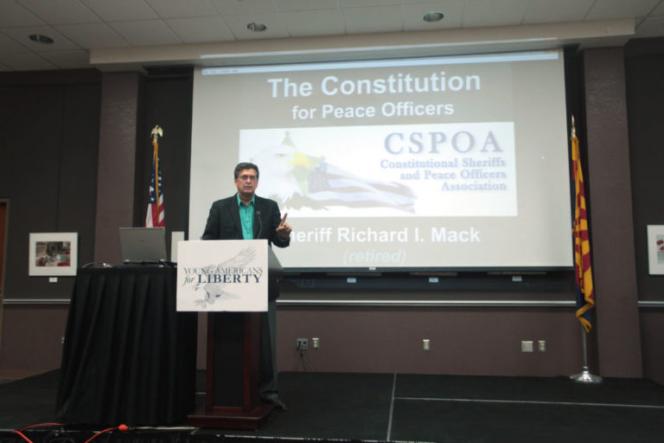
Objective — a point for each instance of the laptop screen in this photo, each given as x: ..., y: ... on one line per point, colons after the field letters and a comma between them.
x: 143, y: 244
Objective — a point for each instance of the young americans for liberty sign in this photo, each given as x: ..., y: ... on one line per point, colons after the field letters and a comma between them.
x: 222, y: 275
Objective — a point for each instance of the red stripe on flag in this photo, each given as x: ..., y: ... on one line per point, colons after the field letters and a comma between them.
x: 582, y: 260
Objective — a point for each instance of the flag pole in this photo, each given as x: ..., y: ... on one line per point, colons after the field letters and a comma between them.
x: 582, y: 266
x: 155, y: 212
x: 585, y: 376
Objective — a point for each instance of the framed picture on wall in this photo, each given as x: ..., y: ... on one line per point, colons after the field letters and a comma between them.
x: 53, y: 253
x: 656, y: 249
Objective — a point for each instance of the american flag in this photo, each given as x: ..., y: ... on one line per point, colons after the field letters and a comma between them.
x: 331, y: 185
x: 155, y: 217
x: 582, y: 263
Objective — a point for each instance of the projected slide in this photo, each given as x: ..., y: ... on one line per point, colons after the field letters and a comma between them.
x: 430, y: 163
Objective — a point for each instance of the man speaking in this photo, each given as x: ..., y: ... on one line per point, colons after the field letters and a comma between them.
x: 247, y: 216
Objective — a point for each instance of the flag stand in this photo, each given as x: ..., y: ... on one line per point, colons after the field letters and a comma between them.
x: 585, y: 376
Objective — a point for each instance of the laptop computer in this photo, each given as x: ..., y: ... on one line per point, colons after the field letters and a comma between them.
x: 143, y: 245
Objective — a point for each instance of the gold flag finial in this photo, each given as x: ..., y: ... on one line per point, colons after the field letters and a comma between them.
x: 157, y: 131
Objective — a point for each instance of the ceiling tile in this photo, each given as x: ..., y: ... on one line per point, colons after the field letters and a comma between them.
x: 373, y: 19
x: 183, y: 9
x: 10, y: 46
x: 610, y: 9
x: 69, y: 59
x: 305, y: 5
x: 658, y: 11
x: 26, y: 61
x: 244, y: 7
x: 477, y: 13
x: 199, y: 29
x: 58, y: 12
x: 276, y: 26
x: 546, y: 11
x: 651, y: 27
x: 60, y: 42
x: 318, y: 22
x: 97, y: 35
x: 119, y: 10
x: 146, y: 33
x: 414, y: 11
x: 14, y: 14
x: 77, y: 24
x: 363, y: 3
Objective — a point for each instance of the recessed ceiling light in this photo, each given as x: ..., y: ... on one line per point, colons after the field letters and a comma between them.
x: 39, y: 38
x: 256, y: 27
x: 433, y: 17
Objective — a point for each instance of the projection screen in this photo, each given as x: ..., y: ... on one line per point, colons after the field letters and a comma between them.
x: 424, y: 163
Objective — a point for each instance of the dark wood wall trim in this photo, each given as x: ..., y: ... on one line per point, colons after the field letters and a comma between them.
x: 117, y: 158
x: 60, y: 77
x: 611, y: 224
x: 49, y: 127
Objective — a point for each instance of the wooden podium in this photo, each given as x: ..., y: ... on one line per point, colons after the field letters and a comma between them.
x: 235, y: 304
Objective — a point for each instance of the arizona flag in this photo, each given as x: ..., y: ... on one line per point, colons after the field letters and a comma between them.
x: 582, y: 265
x: 155, y: 217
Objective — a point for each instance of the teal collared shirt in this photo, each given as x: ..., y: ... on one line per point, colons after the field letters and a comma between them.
x: 246, y: 217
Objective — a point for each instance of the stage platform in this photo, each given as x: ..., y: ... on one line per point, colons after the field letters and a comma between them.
x: 391, y: 407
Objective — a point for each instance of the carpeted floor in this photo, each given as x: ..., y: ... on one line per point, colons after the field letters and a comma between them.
x: 402, y: 407
x: 488, y: 409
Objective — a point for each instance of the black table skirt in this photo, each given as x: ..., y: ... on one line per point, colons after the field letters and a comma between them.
x: 129, y: 357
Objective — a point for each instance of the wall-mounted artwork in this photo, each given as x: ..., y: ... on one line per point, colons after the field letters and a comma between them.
x: 53, y: 253
x: 656, y: 249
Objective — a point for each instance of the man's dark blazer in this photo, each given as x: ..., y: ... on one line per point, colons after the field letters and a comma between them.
x: 224, y: 221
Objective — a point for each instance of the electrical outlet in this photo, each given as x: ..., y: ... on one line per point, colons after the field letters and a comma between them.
x: 426, y: 344
x: 301, y: 344
x: 541, y: 345
x: 315, y: 342
x: 526, y: 346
